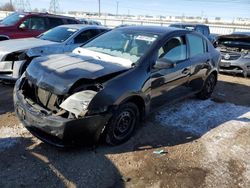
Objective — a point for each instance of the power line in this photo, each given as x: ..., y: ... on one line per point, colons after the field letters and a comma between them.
x: 99, y: 8
x: 22, y: 5
x: 54, y: 6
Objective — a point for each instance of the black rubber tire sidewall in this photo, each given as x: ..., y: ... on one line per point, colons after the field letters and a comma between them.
x: 204, y: 94
x: 109, y: 135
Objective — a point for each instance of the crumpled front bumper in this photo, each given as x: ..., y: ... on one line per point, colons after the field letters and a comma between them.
x: 57, y: 130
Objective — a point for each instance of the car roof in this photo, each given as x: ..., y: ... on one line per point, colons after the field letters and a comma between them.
x: 83, y: 26
x: 45, y: 14
x: 241, y: 33
x: 151, y: 29
x: 188, y: 24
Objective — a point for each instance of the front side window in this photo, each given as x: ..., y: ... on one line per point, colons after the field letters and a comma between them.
x: 174, y: 50
x: 34, y: 23
x: 196, y: 45
x: 125, y: 44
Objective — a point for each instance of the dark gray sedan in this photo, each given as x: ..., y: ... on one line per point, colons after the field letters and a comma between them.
x: 111, y: 83
x: 16, y: 54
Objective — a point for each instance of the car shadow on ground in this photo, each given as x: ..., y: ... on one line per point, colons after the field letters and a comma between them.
x: 29, y: 164
x: 6, y: 99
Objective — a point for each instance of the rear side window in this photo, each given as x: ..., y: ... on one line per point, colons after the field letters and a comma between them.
x: 196, y: 45
x: 70, y: 21
x: 85, y: 36
x: 53, y: 22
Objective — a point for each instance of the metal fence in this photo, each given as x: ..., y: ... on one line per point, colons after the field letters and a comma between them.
x: 215, y: 28
x: 113, y: 22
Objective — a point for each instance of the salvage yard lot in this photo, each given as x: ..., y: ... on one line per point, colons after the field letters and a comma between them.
x: 204, y: 143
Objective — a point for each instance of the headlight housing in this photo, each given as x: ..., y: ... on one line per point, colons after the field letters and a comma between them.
x: 78, y: 102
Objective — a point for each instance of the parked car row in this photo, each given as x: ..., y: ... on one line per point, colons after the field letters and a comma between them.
x: 80, y: 82
x: 16, y: 54
x: 32, y: 24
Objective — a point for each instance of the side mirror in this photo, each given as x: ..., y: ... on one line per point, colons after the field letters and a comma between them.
x: 164, y: 64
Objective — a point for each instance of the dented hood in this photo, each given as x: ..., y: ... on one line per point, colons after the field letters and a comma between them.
x: 235, y: 40
x: 57, y: 73
x: 9, y: 46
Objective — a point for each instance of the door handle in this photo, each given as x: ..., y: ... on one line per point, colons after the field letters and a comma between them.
x: 208, y: 61
x: 186, y: 71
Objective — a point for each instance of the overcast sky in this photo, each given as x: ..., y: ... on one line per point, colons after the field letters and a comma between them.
x: 213, y: 8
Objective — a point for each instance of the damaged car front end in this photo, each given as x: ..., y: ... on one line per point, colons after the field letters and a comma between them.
x: 235, y: 51
x: 61, y: 119
x: 44, y: 118
x: 65, y: 114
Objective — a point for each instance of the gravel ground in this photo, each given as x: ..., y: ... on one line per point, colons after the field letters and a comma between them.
x: 191, y: 143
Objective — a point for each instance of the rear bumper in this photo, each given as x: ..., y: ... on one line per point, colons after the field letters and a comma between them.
x: 57, y: 130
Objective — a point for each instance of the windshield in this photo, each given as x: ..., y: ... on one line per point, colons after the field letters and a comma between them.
x: 58, y: 34
x: 123, y: 44
x: 12, y: 19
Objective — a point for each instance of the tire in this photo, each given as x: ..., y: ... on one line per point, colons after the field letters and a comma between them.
x: 208, y: 87
x: 245, y: 74
x: 122, y: 124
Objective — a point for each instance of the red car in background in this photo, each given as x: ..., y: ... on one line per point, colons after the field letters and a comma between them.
x: 28, y: 24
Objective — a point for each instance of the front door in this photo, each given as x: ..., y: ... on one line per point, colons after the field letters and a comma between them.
x: 169, y: 84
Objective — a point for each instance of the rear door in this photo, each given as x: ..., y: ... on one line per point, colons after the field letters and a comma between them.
x: 200, y: 60
x: 171, y: 83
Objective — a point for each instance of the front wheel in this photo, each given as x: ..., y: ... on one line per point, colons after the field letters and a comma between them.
x: 122, y: 124
x: 208, y: 87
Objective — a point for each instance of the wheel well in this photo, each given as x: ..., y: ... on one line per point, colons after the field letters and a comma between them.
x: 3, y: 38
x: 139, y: 102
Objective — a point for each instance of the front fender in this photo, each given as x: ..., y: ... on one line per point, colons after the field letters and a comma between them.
x: 120, y: 88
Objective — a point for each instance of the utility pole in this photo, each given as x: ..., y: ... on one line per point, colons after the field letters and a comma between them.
x: 99, y: 8
x: 22, y: 5
x: 117, y: 8
x: 54, y: 6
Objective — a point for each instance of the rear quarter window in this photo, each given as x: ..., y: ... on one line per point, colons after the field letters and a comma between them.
x: 53, y: 22
x: 196, y: 45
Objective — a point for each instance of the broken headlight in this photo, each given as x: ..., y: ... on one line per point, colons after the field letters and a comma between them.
x: 78, y: 102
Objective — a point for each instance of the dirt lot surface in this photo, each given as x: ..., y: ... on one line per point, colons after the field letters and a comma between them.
x: 192, y: 143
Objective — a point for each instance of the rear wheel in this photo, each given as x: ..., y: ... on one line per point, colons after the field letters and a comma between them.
x: 208, y: 87
x: 122, y: 124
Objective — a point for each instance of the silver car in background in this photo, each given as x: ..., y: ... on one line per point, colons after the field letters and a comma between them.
x: 15, y: 55
x: 235, y: 53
